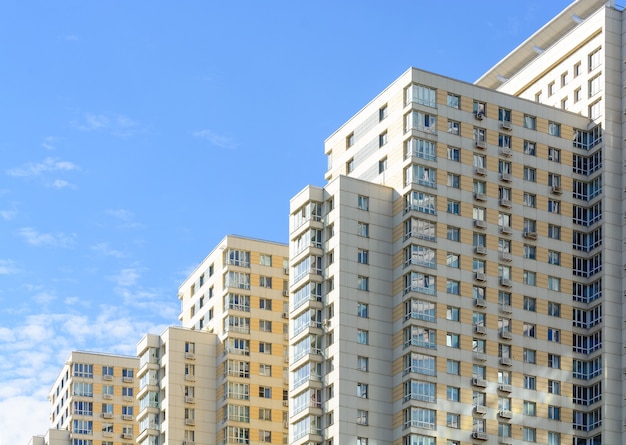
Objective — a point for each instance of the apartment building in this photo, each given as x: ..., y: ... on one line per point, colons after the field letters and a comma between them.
x: 93, y: 401
x: 459, y: 277
x: 227, y: 366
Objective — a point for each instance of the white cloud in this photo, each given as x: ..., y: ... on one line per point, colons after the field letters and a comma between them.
x: 8, y: 214
x: 121, y: 214
x: 105, y: 249
x: 8, y: 267
x: 49, y: 142
x: 126, y: 277
x: 47, y: 165
x: 34, y: 238
x: 60, y: 184
x: 214, y: 138
x: 116, y: 124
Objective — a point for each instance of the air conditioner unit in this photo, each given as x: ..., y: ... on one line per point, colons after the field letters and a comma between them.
x: 326, y: 322
x: 505, y: 177
x: 479, y: 115
x: 506, y: 308
x: 530, y: 235
x: 480, y: 276
x: 480, y: 302
x: 476, y: 381
x: 505, y: 413
x: 481, y: 144
x: 190, y: 378
x: 480, y: 409
x: 482, y: 171
x: 189, y: 399
x: 188, y: 442
x: 190, y: 421
x: 479, y: 223
x: 480, y: 196
x: 480, y: 329
x: 107, y: 415
x: 127, y: 417
x: 506, y: 256
x: 107, y: 396
x: 127, y: 379
x: 504, y: 151
x: 285, y: 293
x: 190, y: 355
x: 107, y: 377
x: 480, y: 356
x: 127, y: 436
x: 506, y: 335
x: 480, y: 250
x: 479, y: 435
x: 556, y: 189
x: 285, y: 315
x: 506, y: 125
x: 506, y: 230
x: 505, y: 388
x: 506, y: 282
x: 506, y: 361
x: 505, y: 202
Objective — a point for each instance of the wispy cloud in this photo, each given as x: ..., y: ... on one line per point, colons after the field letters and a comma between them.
x: 105, y: 249
x: 121, y: 214
x: 115, y: 124
x: 8, y: 215
x: 216, y: 139
x: 61, y: 184
x: 38, y: 168
x: 126, y: 277
x: 8, y: 267
x: 49, y: 142
x: 35, y: 238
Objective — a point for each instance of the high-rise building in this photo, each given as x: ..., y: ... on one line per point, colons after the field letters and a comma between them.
x: 459, y: 278
x: 93, y: 401
x: 222, y: 377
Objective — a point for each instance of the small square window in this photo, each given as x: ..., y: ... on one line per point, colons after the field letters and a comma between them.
x: 530, y: 382
x: 382, y: 139
x: 363, y: 229
x: 382, y: 112
x: 382, y: 165
x: 454, y: 101
x: 363, y: 283
x: 350, y: 140
x: 350, y: 166
x: 453, y: 233
x: 363, y: 202
x: 362, y: 310
x: 453, y: 367
x: 454, y: 154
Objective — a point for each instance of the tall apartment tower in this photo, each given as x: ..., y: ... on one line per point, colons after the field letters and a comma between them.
x: 459, y: 278
x: 222, y: 377
x: 93, y: 401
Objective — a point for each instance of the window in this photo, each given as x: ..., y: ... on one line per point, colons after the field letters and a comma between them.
x: 578, y: 95
x: 453, y: 233
x: 554, y: 387
x: 350, y: 140
x: 538, y: 97
x: 554, y: 361
x: 554, y: 154
x: 363, y: 229
x: 554, y: 232
x: 107, y: 371
x: 350, y: 166
x: 530, y: 356
x: 554, y: 438
x: 362, y: 256
x: 554, y: 257
x: 265, y: 392
x: 265, y: 282
x: 565, y: 78
x: 452, y: 260
x: 361, y: 441
x: 265, y: 370
x: 530, y: 200
x: 454, y: 154
x: 504, y: 141
x: 453, y: 287
x: 362, y: 310
x: 453, y: 393
x: 362, y: 363
x: 452, y: 340
x: 382, y: 112
x: 362, y: 337
x: 363, y: 202
x: 554, y: 309
x: 554, y: 412
x: 530, y: 122
x: 265, y: 326
x: 530, y: 148
x: 363, y: 283
x: 529, y: 408
x: 554, y: 283
x: 565, y: 103
x: 265, y: 348
x: 454, y: 207
x: 453, y: 313
x: 529, y: 278
x: 530, y: 252
x: 529, y: 434
x: 453, y: 420
x: 454, y: 101
x: 127, y: 391
x: 265, y: 303
x: 530, y: 382
x: 529, y: 330
x: 577, y: 69
x: 479, y: 214
x: 382, y: 139
x: 454, y: 127
x: 453, y: 367
x: 530, y: 174
x: 382, y: 165
x: 550, y: 88
x: 454, y: 180
x: 265, y: 260
x: 554, y: 129
x: 479, y: 109
x: 594, y: 59
x: 361, y: 417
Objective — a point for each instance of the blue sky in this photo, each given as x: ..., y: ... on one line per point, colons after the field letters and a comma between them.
x: 135, y: 135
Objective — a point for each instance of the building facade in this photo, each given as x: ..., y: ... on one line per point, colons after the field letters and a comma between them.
x: 459, y: 278
x: 238, y: 298
x: 93, y: 401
